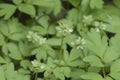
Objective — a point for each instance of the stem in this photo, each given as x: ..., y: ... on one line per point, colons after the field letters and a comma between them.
x: 36, y: 76
x: 61, y: 49
x: 85, y: 62
x: 103, y: 71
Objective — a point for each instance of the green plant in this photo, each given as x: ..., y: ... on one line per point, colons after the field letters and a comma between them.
x: 59, y: 40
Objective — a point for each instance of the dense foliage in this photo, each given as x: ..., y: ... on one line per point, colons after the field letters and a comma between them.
x: 59, y: 39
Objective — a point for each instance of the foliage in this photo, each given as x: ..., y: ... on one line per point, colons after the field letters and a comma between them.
x: 59, y: 40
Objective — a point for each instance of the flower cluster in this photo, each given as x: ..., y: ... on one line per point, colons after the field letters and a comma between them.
x: 34, y: 37
x: 79, y: 43
x: 99, y: 26
x: 37, y: 66
x: 87, y: 20
x: 64, y: 29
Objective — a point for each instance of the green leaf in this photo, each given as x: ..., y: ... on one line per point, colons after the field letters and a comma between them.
x: 85, y: 4
x: 40, y: 30
x: 74, y: 2
x: 14, y: 51
x: 28, y: 9
x: 4, y: 28
x: 94, y: 61
x: 109, y: 57
x: 92, y: 76
x: 2, y: 40
x: 75, y: 54
x: 17, y: 1
x: 40, y: 53
x: 117, y: 2
x: 54, y: 42
x: 66, y: 71
x: 113, y: 49
x: 115, y: 69
x: 55, y: 5
x: 17, y: 36
x: 7, y: 10
x: 44, y: 21
x: 75, y: 73
x: 58, y: 73
x: 2, y: 76
x: 24, y: 49
x: 95, y: 43
x: 72, y: 18
x: 25, y: 64
x: 108, y: 78
x: 2, y: 60
x: 96, y: 4
x: 14, y: 26
x: 9, y: 72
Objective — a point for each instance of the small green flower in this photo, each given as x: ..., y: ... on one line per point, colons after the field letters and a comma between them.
x: 34, y: 37
x: 99, y: 26
x: 79, y: 43
x: 64, y: 29
x: 37, y: 66
x: 87, y: 20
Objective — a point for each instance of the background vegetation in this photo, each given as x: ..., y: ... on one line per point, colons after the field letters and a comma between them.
x: 59, y: 39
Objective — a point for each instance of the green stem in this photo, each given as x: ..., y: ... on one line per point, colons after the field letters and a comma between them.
x: 61, y: 49
x: 103, y: 71
x: 36, y: 76
x: 85, y: 62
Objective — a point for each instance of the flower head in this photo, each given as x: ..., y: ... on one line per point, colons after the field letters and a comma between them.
x: 87, y: 20
x: 99, y: 26
x: 37, y: 66
x: 34, y: 37
x: 79, y: 43
x: 64, y: 29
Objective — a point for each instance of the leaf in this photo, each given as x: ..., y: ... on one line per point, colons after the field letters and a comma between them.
x: 40, y: 30
x: 72, y: 62
x: 4, y: 28
x: 55, y: 5
x: 9, y: 72
x: 85, y: 4
x: 75, y: 54
x: 117, y: 2
x: 2, y: 76
x: 25, y: 64
x: 94, y: 61
x: 40, y: 53
x: 115, y: 69
x: 75, y: 73
x: 2, y: 40
x: 14, y: 52
x: 54, y: 42
x: 108, y: 78
x: 24, y: 48
x: 95, y: 43
x: 66, y: 71
x: 109, y: 57
x: 17, y: 36
x: 72, y: 18
x: 96, y: 4
x: 44, y: 21
x: 28, y: 9
x: 14, y: 26
x: 75, y: 3
x: 2, y: 60
x: 17, y: 1
x: 113, y: 49
x: 58, y: 73
x: 7, y: 10
x: 92, y: 76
